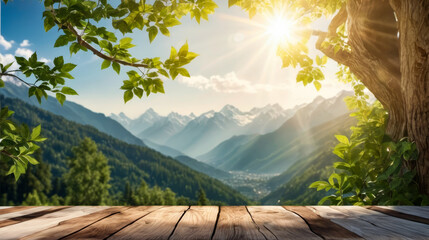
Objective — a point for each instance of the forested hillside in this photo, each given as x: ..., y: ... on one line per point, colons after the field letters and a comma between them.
x: 72, y: 112
x: 291, y: 187
x: 128, y: 163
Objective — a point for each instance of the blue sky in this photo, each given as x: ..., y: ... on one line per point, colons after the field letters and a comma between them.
x: 237, y: 64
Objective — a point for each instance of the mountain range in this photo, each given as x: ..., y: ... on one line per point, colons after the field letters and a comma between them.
x: 128, y: 162
x: 274, y: 152
x: 195, y: 135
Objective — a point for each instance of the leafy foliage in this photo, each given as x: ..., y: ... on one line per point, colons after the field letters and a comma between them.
x: 81, y: 24
x: 17, y: 143
x: 374, y: 169
x: 302, y: 13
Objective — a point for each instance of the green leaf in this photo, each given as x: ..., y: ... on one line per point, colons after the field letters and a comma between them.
x: 153, y: 31
x: 68, y: 67
x: 59, y: 62
x: 31, y: 160
x: 68, y: 91
x: 116, y: 67
x: 138, y: 92
x: 1, y: 83
x: 342, y: 139
x: 317, y: 85
x: 183, y: 72
x: 36, y: 132
x: 128, y: 95
x: 105, y: 64
x: 232, y: 2
x: 319, y: 61
x: 184, y: 50
x: 164, y: 31
x: 170, y: 22
x: 61, y: 98
x: 61, y: 41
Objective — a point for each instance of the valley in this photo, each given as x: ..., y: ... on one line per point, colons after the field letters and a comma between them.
x: 257, y: 153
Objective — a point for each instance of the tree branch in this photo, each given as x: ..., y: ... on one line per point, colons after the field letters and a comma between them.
x: 14, y: 76
x: 100, y: 54
x: 341, y: 56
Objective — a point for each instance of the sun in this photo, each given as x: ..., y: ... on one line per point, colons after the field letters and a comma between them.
x: 280, y: 29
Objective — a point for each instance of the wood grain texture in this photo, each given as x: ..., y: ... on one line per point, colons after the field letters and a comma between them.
x: 322, y: 226
x: 282, y: 224
x: 22, y: 213
x: 108, y: 226
x: 29, y: 216
x: 197, y: 223
x: 159, y: 224
x: 44, y: 222
x: 14, y: 209
x: 412, y: 211
x: 74, y: 225
x: 407, y: 228
x: 356, y: 225
x: 236, y: 223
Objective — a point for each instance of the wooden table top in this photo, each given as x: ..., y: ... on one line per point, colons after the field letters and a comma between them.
x: 212, y: 222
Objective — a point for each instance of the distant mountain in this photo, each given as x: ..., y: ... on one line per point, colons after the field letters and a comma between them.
x: 72, y: 111
x: 165, y: 127
x: 167, y: 151
x: 203, y: 167
x: 136, y: 126
x: 291, y: 187
x: 128, y: 163
x: 211, y: 128
x: 190, y: 162
x: 276, y: 151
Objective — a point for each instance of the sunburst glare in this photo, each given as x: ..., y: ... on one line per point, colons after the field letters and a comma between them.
x: 280, y: 28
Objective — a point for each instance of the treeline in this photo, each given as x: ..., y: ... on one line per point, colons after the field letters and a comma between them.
x: 85, y: 183
x: 126, y: 162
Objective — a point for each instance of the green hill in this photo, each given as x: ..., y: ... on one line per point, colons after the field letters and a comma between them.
x: 128, y: 162
x: 291, y: 187
x: 72, y: 112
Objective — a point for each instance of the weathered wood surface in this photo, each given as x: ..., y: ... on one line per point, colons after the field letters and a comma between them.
x: 198, y: 223
x: 212, y: 222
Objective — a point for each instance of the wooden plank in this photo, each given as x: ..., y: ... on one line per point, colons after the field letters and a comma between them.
x: 69, y: 227
x: 22, y: 213
x: 108, y: 226
x: 32, y: 215
x: 236, y: 223
x: 3, y: 207
x: 356, y: 225
x: 407, y: 228
x: 409, y: 210
x: 281, y: 223
x: 41, y: 223
x: 159, y: 224
x: 13, y: 209
x: 322, y: 226
x: 197, y: 223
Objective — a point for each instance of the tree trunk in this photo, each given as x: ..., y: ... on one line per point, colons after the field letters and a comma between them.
x: 395, y: 68
x: 413, y: 18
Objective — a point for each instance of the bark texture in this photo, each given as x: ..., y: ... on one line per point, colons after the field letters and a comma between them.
x: 413, y: 18
x: 389, y: 53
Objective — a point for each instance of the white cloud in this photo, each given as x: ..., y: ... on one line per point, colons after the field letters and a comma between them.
x: 24, y: 52
x: 229, y: 83
x: 25, y: 43
x: 6, y: 44
x: 45, y: 60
